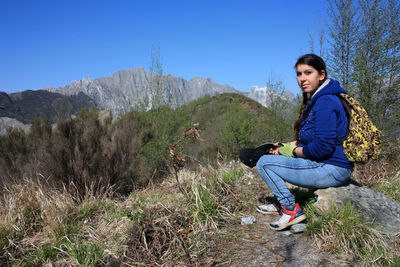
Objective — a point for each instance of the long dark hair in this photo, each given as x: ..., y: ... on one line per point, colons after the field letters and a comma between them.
x: 317, y: 63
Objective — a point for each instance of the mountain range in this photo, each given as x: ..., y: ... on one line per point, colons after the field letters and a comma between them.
x: 124, y: 91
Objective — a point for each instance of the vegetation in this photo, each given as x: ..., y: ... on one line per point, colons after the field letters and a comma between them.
x: 95, y: 151
x: 40, y: 225
x: 364, y: 55
x: 161, y: 225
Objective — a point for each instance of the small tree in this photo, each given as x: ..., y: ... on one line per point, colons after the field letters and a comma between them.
x: 276, y: 100
x: 342, y: 32
x: 155, y: 88
x: 365, y: 52
x: 377, y: 59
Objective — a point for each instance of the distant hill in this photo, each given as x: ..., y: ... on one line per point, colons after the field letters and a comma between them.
x: 230, y: 122
x: 25, y: 106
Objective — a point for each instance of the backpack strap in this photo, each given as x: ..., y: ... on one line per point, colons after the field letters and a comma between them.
x: 347, y: 109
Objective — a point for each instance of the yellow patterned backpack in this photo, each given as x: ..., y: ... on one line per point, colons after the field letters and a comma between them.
x: 363, y: 139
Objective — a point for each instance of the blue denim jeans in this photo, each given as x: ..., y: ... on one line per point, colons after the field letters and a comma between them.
x: 277, y: 169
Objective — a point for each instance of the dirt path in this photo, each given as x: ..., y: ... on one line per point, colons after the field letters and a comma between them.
x: 258, y: 245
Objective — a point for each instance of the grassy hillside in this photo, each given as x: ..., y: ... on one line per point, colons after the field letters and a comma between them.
x: 230, y: 122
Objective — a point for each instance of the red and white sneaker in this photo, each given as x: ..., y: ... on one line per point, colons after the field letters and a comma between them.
x: 291, y: 214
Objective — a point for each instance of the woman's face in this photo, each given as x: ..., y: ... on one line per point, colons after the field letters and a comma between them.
x: 309, y: 78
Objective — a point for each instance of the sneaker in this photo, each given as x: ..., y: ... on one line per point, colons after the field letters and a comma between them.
x: 270, y: 208
x: 291, y: 214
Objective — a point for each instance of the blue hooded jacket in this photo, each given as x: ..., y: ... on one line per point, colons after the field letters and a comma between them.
x: 323, y: 121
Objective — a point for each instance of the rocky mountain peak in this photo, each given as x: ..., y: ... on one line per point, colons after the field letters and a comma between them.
x: 264, y: 96
x: 126, y: 88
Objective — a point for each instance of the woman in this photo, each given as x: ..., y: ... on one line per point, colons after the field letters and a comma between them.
x: 315, y: 159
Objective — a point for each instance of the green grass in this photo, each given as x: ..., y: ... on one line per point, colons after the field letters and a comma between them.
x: 232, y: 175
x: 42, y: 254
x: 86, y: 254
x: 203, y: 205
x: 7, y: 234
x: 82, y: 252
x: 88, y: 209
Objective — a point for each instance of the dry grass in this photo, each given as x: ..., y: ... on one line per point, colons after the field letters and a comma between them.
x: 372, y: 172
x: 343, y: 230
x: 390, y: 186
x: 156, y: 225
x: 36, y: 218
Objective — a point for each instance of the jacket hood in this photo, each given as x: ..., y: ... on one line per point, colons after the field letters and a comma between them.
x: 332, y: 88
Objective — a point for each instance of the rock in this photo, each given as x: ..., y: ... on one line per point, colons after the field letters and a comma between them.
x: 250, y: 175
x: 298, y: 228
x: 265, y: 96
x: 374, y: 206
x: 287, y: 232
x: 6, y: 123
x: 248, y: 220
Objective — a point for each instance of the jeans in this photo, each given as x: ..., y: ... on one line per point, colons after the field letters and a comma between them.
x: 276, y: 170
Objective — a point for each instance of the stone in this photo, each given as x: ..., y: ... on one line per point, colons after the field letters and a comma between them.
x: 287, y: 232
x: 6, y: 123
x: 298, y: 228
x: 250, y: 175
x: 374, y: 206
x: 265, y: 96
x: 248, y: 220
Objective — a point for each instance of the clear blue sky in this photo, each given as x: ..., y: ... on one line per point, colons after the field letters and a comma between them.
x: 235, y: 42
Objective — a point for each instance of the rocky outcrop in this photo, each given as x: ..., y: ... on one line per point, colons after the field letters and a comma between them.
x: 6, y: 123
x: 265, y: 96
x: 125, y: 89
x: 374, y: 206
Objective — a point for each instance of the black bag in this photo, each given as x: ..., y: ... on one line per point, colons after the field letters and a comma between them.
x: 250, y: 156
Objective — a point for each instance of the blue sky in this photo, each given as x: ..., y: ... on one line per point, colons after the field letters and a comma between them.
x: 236, y: 42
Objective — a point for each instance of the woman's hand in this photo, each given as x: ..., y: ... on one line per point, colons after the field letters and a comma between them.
x: 294, y: 143
x: 274, y: 151
x: 299, y: 150
x: 286, y: 149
